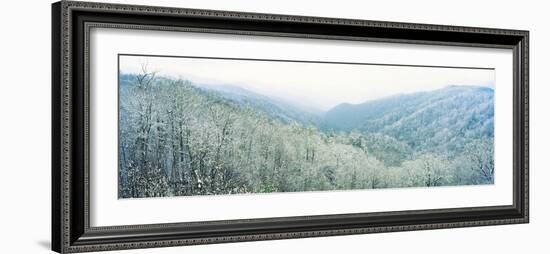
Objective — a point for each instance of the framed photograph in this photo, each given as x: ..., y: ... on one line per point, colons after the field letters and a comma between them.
x: 182, y: 126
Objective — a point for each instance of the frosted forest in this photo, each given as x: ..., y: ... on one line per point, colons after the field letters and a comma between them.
x: 178, y: 137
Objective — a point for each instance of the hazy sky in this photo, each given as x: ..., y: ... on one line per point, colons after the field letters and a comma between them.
x: 317, y: 85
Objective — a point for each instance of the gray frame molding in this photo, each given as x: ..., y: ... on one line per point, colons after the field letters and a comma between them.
x: 71, y: 22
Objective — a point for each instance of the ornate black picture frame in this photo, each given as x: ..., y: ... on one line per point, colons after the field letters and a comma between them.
x: 71, y: 230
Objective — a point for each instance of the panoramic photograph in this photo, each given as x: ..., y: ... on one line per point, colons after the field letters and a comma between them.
x: 192, y: 126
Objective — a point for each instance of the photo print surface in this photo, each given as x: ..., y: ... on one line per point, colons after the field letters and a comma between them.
x: 216, y: 126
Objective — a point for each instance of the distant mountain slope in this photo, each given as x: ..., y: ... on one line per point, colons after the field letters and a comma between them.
x: 275, y: 107
x: 443, y: 119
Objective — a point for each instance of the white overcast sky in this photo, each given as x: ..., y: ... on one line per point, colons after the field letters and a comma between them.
x: 317, y: 85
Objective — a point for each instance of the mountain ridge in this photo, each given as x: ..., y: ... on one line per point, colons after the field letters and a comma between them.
x: 427, y: 119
